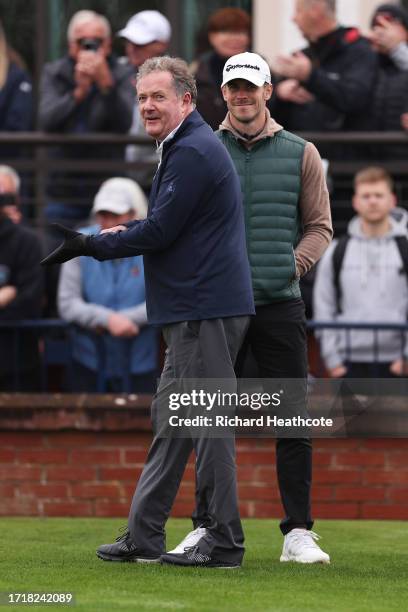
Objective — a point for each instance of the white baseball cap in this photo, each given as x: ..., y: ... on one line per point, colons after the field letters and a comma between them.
x: 120, y: 195
x: 248, y: 66
x: 146, y: 27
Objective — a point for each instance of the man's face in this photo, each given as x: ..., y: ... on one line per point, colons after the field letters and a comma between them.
x: 137, y: 54
x: 90, y: 29
x: 305, y: 17
x: 245, y: 101
x: 161, y: 109
x: 373, y: 201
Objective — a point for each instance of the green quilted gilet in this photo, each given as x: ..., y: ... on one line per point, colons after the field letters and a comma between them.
x: 270, y: 175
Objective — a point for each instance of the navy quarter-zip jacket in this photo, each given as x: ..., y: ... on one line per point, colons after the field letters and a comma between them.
x: 193, y: 240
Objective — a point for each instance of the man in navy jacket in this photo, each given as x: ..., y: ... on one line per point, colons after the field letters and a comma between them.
x: 198, y: 287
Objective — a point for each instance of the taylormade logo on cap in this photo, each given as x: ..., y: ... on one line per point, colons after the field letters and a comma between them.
x: 231, y: 67
x: 248, y: 66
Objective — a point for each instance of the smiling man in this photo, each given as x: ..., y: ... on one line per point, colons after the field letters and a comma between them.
x: 198, y: 289
x: 288, y: 227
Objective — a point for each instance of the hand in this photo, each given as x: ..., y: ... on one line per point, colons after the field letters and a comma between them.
x: 13, y: 213
x: 290, y: 90
x: 337, y: 372
x: 83, y: 82
x: 94, y: 65
x: 404, y: 121
x: 74, y: 245
x: 121, y: 326
x: 114, y: 229
x: 297, y: 66
x: 387, y: 35
x: 7, y: 294
x: 399, y: 367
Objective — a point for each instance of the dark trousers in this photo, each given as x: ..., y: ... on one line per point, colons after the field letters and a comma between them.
x: 277, y: 340
x: 196, y: 349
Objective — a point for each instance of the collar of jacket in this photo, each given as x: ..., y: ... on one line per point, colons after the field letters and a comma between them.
x: 332, y: 42
x: 190, y: 123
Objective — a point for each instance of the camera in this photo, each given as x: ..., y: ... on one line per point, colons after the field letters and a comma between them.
x: 90, y: 44
x: 8, y: 199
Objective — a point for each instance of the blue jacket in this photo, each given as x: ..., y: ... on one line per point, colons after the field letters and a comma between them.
x: 16, y: 101
x: 193, y: 239
x: 119, y: 286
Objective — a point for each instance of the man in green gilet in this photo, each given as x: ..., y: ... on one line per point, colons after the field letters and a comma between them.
x: 288, y: 227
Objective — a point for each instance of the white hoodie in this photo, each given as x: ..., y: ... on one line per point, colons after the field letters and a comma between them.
x: 374, y: 289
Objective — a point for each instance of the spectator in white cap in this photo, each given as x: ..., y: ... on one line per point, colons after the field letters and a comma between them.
x: 147, y: 35
x: 109, y: 298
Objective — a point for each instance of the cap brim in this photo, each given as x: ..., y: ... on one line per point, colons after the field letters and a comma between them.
x: 135, y: 36
x: 258, y: 82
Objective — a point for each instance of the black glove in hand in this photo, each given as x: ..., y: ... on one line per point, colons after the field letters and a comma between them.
x: 74, y: 245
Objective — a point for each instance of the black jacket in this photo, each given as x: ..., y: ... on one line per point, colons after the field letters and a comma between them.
x: 20, y: 255
x: 208, y: 75
x: 390, y: 100
x: 342, y: 81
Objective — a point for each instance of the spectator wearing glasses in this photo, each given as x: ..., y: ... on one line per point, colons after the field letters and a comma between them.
x: 87, y: 90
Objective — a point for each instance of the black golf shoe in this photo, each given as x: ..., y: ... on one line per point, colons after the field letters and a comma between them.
x: 123, y: 549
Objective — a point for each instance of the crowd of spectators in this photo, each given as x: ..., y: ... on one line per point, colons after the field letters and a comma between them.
x: 342, y: 80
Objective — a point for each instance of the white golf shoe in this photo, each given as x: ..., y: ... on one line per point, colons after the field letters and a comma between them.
x: 300, y: 545
x: 191, y: 539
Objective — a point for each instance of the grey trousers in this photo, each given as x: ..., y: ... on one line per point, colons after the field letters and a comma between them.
x: 195, y: 349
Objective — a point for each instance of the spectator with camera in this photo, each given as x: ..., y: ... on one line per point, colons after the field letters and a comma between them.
x: 21, y: 290
x: 87, y: 90
x: 108, y: 298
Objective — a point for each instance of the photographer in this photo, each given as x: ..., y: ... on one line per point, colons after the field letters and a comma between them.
x: 85, y: 91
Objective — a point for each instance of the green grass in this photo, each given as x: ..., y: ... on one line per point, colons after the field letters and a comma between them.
x: 369, y: 569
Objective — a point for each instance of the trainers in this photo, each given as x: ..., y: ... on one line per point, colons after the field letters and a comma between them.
x: 192, y: 556
x: 123, y: 549
x: 191, y: 539
x: 300, y: 546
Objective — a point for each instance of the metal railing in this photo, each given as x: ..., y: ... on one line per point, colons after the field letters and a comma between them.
x: 55, y: 340
x: 35, y: 160
x: 61, y: 333
x: 348, y: 326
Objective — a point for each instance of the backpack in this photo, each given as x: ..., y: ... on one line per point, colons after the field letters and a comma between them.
x: 340, y: 251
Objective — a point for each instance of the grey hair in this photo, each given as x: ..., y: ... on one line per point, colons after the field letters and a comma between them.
x: 183, y: 80
x: 81, y: 17
x: 329, y: 4
x: 9, y: 171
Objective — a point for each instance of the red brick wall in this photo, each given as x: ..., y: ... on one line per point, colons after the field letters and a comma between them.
x: 93, y: 473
